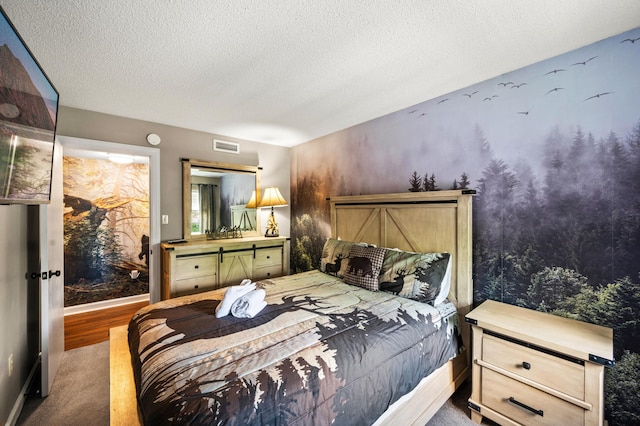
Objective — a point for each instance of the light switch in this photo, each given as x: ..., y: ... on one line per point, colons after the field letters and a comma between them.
x: 165, y: 219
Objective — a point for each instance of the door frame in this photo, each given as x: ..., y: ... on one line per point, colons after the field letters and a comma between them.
x: 154, y: 211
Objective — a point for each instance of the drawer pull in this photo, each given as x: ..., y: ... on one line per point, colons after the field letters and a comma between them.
x: 526, y: 365
x: 525, y: 406
x: 196, y: 267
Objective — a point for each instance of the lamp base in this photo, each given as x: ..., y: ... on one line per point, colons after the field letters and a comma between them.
x: 272, y: 226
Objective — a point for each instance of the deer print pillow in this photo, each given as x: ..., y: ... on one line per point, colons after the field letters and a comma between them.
x: 425, y: 277
x: 364, y: 266
x: 334, y: 257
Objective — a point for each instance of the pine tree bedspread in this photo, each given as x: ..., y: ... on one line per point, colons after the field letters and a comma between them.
x: 322, y: 352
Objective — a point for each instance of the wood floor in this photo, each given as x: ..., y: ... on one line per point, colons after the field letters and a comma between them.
x: 93, y: 327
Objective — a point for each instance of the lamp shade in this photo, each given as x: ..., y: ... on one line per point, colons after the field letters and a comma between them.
x: 252, y: 204
x: 272, y: 198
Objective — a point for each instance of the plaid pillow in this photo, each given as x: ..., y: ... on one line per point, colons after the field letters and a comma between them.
x: 364, y: 266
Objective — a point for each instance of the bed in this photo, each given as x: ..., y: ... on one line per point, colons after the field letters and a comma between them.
x: 332, y: 362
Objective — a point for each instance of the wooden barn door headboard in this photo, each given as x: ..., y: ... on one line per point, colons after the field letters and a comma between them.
x: 438, y: 221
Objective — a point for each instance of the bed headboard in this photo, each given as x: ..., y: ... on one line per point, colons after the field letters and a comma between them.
x: 437, y: 221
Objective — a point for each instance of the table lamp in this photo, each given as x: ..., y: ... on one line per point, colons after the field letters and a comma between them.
x: 272, y: 198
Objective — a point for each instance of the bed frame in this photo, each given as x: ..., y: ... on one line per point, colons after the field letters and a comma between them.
x: 435, y: 221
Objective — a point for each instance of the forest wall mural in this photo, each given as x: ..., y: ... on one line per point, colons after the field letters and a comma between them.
x: 106, y: 229
x: 553, y: 150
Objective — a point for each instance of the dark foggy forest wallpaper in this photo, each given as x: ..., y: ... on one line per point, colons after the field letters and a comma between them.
x: 553, y: 151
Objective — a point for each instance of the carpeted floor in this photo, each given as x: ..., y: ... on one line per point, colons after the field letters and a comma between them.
x: 80, y: 395
x: 80, y: 392
x: 454, y: 412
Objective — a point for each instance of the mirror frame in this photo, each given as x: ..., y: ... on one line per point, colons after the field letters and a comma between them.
x: 187, y: 164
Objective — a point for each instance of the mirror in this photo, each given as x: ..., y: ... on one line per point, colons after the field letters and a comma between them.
x: 218, y: 197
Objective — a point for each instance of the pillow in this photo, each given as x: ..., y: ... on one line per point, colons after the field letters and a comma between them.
x: 425, y: 277
x: 364, y: 266
x: 335, y: 254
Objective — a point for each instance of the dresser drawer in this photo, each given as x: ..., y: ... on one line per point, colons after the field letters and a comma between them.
x: 535, y: 365
x: 196, y: 266
x: 267, y: 272
x: 268, y: 257
x: 194, y: 285
x: 511, y: 398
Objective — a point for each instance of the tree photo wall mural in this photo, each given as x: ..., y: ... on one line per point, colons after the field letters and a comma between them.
x: 106, y: 229
x: 553, y: 151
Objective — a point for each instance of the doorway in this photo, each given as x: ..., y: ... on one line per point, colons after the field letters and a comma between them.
x: 111, y: 200
x: 106, y: 226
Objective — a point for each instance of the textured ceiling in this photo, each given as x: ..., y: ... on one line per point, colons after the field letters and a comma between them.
x: 288, y: 71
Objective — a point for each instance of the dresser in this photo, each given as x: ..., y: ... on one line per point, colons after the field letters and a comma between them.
x: 533, y: 368
x: 202, y: 265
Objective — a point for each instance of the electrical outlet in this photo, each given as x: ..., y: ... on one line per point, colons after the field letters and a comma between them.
x: 10, y: 365
x: 165, y: 219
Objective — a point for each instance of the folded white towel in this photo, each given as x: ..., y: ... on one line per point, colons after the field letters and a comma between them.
x: 249, y: 305
x: 231, y: 295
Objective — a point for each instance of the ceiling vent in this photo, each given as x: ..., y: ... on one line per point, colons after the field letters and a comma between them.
x: 224, y: 146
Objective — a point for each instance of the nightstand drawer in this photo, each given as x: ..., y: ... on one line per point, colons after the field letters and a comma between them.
x: 540, y: 367
x: 526, y: 405
x: 196, y: 266
x: 268, y: 257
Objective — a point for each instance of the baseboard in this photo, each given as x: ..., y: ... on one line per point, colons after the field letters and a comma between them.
x: 17, y: 406
x: 105, y: 304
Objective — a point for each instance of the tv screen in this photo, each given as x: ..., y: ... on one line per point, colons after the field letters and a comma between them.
x: 28, y: 115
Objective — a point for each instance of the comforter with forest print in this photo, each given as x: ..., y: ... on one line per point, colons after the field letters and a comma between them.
x: 322, y: 352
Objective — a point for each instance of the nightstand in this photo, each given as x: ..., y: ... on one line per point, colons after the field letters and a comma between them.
x: 530, y: 367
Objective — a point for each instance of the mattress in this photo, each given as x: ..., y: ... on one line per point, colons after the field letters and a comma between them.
x: 321, y: 352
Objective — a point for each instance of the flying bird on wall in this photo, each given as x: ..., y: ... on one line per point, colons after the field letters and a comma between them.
x: 469, y: 95
x: 598, y: 95
x: 632, y: 40
x: 411, y: 112
x: 555, y: 71
x: 523, y: 112
x: 585, y: 62
x: 491, y: 98
x: 555, y: 89
x: 505, y: 84
x: 517, y: 86
x: 443, y: 100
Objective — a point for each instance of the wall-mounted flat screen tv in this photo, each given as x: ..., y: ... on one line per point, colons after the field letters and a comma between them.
x: 28, y: 115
